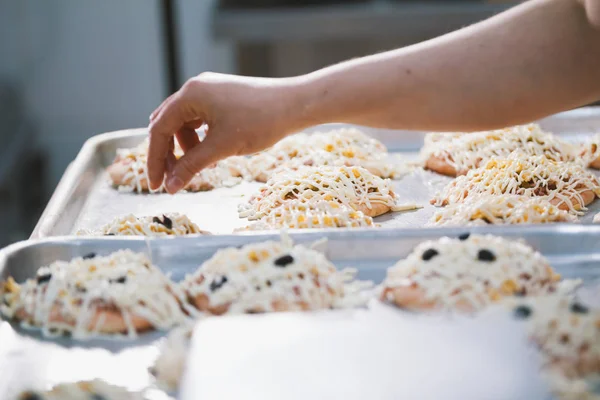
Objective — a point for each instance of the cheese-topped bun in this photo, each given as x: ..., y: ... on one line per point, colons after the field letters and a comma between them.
x: 84, y: 390
x: 501, y: 209
x: 353, y: 187
x: 129, y: 172
x: 169, y: 366
x: 340, y: 147
x: 455, y: 154
x: 567, y: 332
x: 467, y: 274
x: 271, y: 276
x: 296, y: 214
x: 122, y: 293
x: 569, y: 186
x: 169, y: 224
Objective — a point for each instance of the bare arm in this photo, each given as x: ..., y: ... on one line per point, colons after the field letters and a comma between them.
x: 534, y: 60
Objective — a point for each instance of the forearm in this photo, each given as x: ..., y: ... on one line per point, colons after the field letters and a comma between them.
x: 534, y: 60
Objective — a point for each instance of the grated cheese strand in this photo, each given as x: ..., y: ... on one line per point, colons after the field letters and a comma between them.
x: 168, y: 224
x: 499, y: 210
x: 66, y: 297
x: 274, y: 276
x: 533, y: 176
x: 353, y: 187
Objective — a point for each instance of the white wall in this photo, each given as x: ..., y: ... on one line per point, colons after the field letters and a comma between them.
x: 93, y: 66
x: 199, y: 50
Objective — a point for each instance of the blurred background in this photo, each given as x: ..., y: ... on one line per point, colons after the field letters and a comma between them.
x: 71, y: 69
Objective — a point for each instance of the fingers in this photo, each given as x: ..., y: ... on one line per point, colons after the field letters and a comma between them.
x: 160, y: 107
x: 170, y: 119
x: 199, y: 157
x: 187, y: 136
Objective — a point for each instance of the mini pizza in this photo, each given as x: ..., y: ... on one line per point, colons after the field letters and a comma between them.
x: 567, y: 333
x: 467, y: 274
x: 569, y: 186
x: 129, y: 172
x: 340, y: 147
x: 590, y: 152
x: 170, y: 224
x: 169, y: 366
x: 270, y: 277
x: 499, y: 210
x: 296, y: 214
x: 84, y: 390
x: 122, y: 293
x: 455, y: 154
x: 353, y: 187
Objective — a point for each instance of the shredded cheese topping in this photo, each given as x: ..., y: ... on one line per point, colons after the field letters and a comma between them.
x: 296, y: 214
x: 567, y: 332
x: 468, y: 274
x: 136, y: 178
x: 170, y: 224
x: 558, y: 182
x: 169, y: 367
x: 84, y: 390
x: 352, y: 187
x: 274, y: 276
x: 500, y: 209
x: 340, y: 147
x: 471, y: 150
x: 79, y: 296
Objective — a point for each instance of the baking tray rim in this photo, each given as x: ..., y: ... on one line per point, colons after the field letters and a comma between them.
x: 314, y: 235
x: 74, y: 171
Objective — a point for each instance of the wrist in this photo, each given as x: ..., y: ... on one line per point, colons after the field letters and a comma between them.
x: 308, y: 102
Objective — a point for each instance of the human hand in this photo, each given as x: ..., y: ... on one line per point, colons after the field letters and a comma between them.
x: 243, y: 115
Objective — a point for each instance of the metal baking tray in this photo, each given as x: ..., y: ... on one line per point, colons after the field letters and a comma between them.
x: 85, y: 200
x: 29, y: 360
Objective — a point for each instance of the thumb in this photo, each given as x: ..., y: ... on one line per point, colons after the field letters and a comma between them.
x: 208, y: 152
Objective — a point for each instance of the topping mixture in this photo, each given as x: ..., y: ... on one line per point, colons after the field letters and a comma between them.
x: 169, y: 367
x: 340, y: 147
x: 467, y: 274
x: 271, y: 276
x: 296, y: 214
x: 129, y: 171
x: 463, y: 152
x: 501, y: 209
x: 119, y: 293
x: 86, y: 390
x: 353, y: 187
x: 566, y: 185
x: 164, y: 225
x: 567, y: 332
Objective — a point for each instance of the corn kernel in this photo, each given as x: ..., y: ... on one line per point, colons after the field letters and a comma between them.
x: 356, y: 173
x: 301, y: 218
x: 509, y: 286
x: 348, y: 153
x: 253, y: 256
x: 329, y: 147
x: 92, y: 268
x: 494, y: 295
x: 327, y: 220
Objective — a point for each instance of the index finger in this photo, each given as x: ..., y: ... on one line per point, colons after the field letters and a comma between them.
x: 162, y: 129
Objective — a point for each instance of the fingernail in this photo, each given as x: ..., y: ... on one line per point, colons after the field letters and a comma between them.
x: 174, y: 184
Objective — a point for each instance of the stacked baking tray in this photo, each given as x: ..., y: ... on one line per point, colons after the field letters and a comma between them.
x: 84, y: 199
